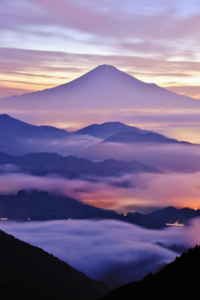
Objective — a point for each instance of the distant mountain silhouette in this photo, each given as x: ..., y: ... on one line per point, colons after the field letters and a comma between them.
x: 71, y: 166
x: 104, y: 88
x: 172, y: 215
x: 178, y: 280
x: 107, y: 129
x: 160, y: 152
x: 19, y: 138
x: 29, y: 273
x: 135, y: 137
x: 42, y: 206
x: 16, y: 129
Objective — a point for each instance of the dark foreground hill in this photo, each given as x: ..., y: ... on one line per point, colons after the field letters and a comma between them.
x: 41, y: 206
x: 29, y: 273
x: 71, y: 166
x: 178, y: 280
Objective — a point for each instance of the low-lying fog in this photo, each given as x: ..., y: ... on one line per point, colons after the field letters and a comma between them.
x: 64, y: 146
x: 139, y: 192
x: 111, y: 251
x: 166, y: 157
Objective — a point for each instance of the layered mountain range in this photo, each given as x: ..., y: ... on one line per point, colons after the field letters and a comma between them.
x: 15, y: 135
x: 42, y: 206
x: 71, y: 166
x: 98, y: 150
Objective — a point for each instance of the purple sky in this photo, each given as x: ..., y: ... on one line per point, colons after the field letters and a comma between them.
x: 46, y: 43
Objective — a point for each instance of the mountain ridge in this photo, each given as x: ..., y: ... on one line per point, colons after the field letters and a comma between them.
x: 43, y: 163
x: 15, y: 128
x: 137, y: 137
x: 107, y: 129
x: 177, y: 280
x: 42, y: 206
x: 28, y: 272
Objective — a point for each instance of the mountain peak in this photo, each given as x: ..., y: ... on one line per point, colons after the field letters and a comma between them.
x: 106, y: 89
x: 107, y: 78
x: 106, y: 70
x: 110, y: 68
x: 105, y: 66
x: 5, y: 116
x: 107, y: 129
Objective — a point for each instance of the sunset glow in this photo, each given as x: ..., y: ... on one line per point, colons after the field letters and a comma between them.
x: 175, y: 224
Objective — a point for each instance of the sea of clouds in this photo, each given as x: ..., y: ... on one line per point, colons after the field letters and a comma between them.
x: 112, y: 251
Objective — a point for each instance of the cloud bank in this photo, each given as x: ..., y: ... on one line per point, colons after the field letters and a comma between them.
x: 114, y: 252
x: 129, y: 193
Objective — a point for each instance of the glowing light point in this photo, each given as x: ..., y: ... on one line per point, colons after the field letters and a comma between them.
x: 175, y: 224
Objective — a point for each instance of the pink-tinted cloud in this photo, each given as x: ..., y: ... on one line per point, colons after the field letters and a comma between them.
x: 139, y: 192
x: 193, y: 91
x: 111, y: 20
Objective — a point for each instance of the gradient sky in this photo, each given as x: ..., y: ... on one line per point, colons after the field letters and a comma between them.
x: 44, y: 43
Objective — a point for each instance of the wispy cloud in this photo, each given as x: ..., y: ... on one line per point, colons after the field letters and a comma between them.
x: 138, y: 192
